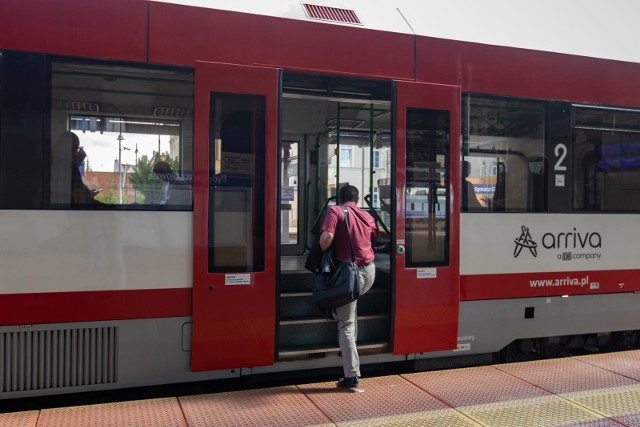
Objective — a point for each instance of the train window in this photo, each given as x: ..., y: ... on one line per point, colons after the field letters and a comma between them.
x: 504, y: 168
x: 606, y: 160
x: 237, y: 183
x: 120, y: 137
x: 345, y: 157
x: 427, y: 198
x: 290, y: 198
x: 23, y: 98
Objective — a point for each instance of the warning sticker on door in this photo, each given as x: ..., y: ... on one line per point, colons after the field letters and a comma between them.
x: 426, y: 273
x: 237, y: 279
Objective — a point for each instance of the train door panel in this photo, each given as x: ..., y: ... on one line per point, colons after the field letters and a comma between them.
x: 427, y: 217
x: 235, y: 194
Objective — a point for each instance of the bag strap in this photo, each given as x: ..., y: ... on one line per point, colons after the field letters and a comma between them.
x: 346, y: 219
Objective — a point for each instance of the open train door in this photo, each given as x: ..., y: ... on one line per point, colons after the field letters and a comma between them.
x: 427, y: 204
x: 234, y: 216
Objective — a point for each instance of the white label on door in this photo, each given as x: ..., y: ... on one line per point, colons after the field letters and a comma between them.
x: 463, y: 347
x: 237, y: 279
x: 426, y: 273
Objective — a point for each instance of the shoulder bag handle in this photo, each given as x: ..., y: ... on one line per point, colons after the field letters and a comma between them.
x: 346, y: 219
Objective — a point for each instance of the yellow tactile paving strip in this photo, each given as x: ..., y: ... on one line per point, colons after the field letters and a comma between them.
x: 609, y: 402
x: 439, y: 418
x: 588, y: 391
x: 539, y: 411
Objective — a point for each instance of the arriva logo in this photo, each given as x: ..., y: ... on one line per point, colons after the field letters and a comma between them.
x: 525, y: 241
x: 572, y: 240
x: 571, y: 244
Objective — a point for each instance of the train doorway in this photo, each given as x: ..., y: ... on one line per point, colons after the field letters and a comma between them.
x: 396, y: 142
x: 334, y: 131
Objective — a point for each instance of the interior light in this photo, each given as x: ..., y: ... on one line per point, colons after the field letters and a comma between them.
x: 132, y: 122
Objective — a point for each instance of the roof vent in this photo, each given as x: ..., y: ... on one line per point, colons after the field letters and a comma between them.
x: 331, y: 14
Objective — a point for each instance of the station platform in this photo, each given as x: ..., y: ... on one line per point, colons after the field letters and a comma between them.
x: 594, y: 390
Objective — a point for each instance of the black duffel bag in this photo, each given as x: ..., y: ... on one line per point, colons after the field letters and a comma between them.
x: 335, y: 286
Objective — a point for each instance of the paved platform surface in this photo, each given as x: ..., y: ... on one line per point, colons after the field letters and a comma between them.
x: 597, y: 390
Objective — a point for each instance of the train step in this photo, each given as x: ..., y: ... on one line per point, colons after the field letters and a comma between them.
x: 310, y: 331
x: 296, y: 352
x: 317, y: 319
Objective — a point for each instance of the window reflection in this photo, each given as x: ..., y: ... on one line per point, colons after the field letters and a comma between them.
x: 606, y: 164
x: 236, y: 183
x: 427, y: 198
x: 503, y: 168
x: 289, y: 193
x: 133, y: 127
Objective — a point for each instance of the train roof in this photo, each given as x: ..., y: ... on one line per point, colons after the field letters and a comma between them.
x: 580, y: 27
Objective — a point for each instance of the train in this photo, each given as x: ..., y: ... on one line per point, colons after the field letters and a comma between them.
x: 505, y: 182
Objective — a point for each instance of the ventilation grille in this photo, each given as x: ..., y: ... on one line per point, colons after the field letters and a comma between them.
x: 331, y: 14
x: 345, y: 123
x: 171, y: 111
x: 37, y: 360
x: 90, y: 107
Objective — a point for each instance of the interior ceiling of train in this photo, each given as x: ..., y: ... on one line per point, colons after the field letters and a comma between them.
x: 313, y: 104
x: 313, y: 115
x: 505, y: 118
x: 103, y: 89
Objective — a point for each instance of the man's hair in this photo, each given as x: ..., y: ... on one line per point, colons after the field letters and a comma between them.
x: 66, y: 139
x: 466, y: 168
x: 348, y: 193
x: 163, y: 171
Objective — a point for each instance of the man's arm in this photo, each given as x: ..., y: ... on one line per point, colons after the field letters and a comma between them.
x: 325, y: 240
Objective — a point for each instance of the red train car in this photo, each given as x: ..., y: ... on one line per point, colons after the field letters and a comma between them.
x: 504, y: 181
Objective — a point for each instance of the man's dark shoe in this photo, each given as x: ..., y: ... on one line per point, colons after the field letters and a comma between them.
x: 348, y: 382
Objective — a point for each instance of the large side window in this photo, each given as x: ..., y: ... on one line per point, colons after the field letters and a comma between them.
x: 503, y: 165
x: 120, y: 136
x: 606, y: 160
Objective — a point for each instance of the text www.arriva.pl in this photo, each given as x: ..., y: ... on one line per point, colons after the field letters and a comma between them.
x: 567, y: 281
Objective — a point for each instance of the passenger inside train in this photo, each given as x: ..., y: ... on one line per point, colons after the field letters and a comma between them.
x: 67, y: 186
x: 175, y: 190
x: 472, y: 203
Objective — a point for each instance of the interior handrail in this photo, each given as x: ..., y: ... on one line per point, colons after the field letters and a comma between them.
x: 375, y: 215
x: 305, y: 240
x: 314, y: 227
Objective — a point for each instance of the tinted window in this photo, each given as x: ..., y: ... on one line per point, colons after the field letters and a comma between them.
x: 427, y: 198
x: 504, y: 168
x: 236, y: 183
x: 119, y: 136
x: 23, y: 96
x: 606, y: 160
